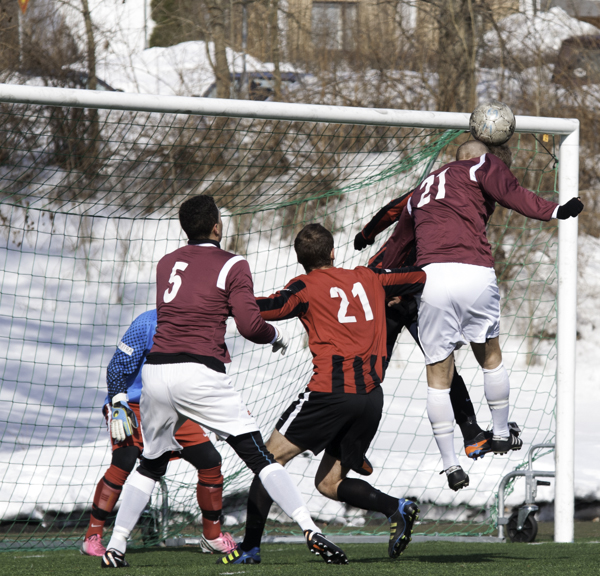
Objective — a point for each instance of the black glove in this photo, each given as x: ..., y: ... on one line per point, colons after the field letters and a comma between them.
x: 361, y: 242
x: 569, y: 210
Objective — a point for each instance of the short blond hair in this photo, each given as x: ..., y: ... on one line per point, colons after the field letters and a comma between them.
x: 471, y: 149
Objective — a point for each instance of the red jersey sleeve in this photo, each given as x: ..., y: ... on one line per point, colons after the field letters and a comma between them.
x: 287, y: 303
x: 389, y: 214
x: 497, y: 181
x: 405, y: 281
x: 243, y: 305
x: 401, y: 242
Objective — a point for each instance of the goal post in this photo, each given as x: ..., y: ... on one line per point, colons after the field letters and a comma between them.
x: 379, y: 169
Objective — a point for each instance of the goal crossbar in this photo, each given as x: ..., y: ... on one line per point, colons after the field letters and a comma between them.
x: 568, y: 184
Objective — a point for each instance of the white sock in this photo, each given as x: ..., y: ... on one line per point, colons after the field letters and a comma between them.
x: 278, y: 483
x: 441, y: 416
x: 496, y: 387
x: 134, y: 499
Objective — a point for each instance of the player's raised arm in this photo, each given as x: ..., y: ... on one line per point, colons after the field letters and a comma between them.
x: 389, y: 214
x: 287, y: 303
x: 498, y: 181
x: 405, y: 281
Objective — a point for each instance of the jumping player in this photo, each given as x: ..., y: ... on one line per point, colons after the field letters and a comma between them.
x: 460, y: 304
x: 124, y: 380
x: 339, y: 412
x: 198, y: 287
x: 404, y: 314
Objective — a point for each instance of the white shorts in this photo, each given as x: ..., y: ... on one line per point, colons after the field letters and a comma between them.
x: 460, y: 304
x: 172, y: 393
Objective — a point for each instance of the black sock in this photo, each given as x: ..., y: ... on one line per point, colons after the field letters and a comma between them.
x: 464, y: 413
x: 259, y: 504
x: 361, y: 494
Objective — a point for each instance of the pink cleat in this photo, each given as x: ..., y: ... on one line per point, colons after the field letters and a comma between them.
x: 224, y: 544
x: 92, y: 546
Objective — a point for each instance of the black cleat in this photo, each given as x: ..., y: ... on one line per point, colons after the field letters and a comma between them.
x: 401, y: 525
x: 502, y: 445
x: 114, y: 559
x: 318, y: 544
x: 457, y: 477
x: 479, y: 446
x: 366, y: 468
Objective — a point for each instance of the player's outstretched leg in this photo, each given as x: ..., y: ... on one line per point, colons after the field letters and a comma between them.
x: 401, y: 525
x: 277, y: 482
x: 136, y: 495
x: 401, y: 513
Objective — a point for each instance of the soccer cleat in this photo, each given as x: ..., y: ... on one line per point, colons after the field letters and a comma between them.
x: 366, y: 468
x: 502, y: 445
x: 318, y: 544
x: 479, y: 446
x: 224, y: 544
x: 113, y: 559
x: 92, y: 546
x: 401, y: 525
x: 239, y: 556
x: 457, y: 477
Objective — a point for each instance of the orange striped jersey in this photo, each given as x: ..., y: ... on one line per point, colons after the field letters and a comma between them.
x: 343, y: 312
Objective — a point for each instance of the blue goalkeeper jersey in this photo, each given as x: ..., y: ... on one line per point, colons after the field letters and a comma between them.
x: 124, y: 372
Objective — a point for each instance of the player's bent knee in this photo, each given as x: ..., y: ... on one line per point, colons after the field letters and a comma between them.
x: 202, y: 456
x: 154, y: 469
x: 252, y: 450
x: 125, y: 457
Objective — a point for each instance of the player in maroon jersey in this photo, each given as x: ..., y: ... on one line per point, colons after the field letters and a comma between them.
x: 404, y: 314
x: 198, y: 287
x: 343, y: 312
x: 460, y: 303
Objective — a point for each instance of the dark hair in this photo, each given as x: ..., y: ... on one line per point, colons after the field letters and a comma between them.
x: 313, y: 246
x: 198, y: 216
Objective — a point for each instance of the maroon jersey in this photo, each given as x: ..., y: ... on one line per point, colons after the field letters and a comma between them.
x: 343, y: 312
x: 197, y: 287
x: 452, y: 206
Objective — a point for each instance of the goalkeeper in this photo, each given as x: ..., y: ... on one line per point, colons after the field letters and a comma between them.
x: 339, y: 412
x: 122, y: 410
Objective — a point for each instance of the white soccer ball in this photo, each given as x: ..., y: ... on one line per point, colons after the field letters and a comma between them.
x: 492, y: 123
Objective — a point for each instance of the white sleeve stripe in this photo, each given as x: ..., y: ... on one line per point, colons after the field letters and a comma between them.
x: 409, y: 206
x: 225, y: 270
x: 475, y: 168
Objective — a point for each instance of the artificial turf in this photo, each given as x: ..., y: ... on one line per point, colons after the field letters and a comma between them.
x: 420, y: 559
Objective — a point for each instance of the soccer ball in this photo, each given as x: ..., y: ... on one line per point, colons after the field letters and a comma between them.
x: 492, y: 123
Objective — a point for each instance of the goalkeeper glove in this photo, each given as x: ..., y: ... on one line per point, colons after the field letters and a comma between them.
x: 123, y: 419
x: 361, y: 242
x: 569, y: 210
x: 281, y: 341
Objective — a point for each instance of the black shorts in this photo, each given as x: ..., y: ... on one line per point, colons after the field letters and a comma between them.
x: 343, y: 425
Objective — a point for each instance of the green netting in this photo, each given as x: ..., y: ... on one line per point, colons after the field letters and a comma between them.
x: 88, y: 202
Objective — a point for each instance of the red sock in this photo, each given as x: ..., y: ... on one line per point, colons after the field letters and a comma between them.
x: 209, y: 493
x: 106, y: 496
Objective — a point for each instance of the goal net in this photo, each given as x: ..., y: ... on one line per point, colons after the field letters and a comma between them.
x: 89, y: 201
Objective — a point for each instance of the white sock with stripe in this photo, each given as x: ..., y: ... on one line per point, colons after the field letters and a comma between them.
x: 280, y: 486
x: 496, y: 387
x: 134, y: 499
x: 441, y: 416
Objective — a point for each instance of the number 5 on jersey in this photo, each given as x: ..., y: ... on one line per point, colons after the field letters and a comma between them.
x: 357, y: 290
x: 175, y: 280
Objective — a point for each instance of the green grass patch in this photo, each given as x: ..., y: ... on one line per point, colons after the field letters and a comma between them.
x: 420, y: 559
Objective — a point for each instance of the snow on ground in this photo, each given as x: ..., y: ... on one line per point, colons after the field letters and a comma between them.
x: 540, y: 34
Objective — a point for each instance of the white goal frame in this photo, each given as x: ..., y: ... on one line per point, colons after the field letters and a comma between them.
x: 568, y: 185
